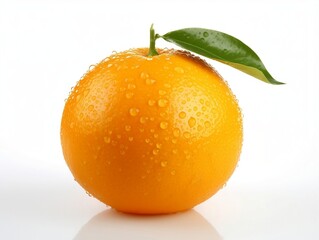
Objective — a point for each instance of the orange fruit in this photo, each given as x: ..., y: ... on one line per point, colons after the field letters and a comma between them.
x: 151, y: 135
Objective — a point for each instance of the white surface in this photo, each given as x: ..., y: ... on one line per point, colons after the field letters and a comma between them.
x: 45, y: 47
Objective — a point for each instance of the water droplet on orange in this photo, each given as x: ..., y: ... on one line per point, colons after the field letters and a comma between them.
x: 163, y: 125
x: 89, y: 194
x: 161, y: 92
x: 167, y: 85
x: 151, y: 102
x: 135, y: 67
x: 129, y: 95
x: 174, y: 140
x: 164, y: 163
x: 91, y: 107
x: 131, y: 86
x: 182, y: 115
x: 155, y: 151
x: 163, y: 114
x: 91, y: 67
x: 150, y: 81
x: 143, y: 119
x: 191, y: 122
x: 144, y: 75
x: 176, y: 132
x: 207, y: 124
x: 187, y: 134
x: 162, y: 102
x: 134, y: 111
x: 179, y: 70
x: 128, y: 128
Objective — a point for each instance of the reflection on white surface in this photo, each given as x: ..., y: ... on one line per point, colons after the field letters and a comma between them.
x: 111, y: 224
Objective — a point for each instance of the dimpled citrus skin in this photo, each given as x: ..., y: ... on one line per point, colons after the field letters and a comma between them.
x: 151, y: 135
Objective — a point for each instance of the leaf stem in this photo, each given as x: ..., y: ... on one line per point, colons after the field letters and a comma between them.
x: 153, y: 37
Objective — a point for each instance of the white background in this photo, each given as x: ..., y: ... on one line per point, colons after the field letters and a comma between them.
x: 46, y: 46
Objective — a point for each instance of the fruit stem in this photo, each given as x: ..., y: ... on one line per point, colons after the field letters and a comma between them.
x: 153, y: 37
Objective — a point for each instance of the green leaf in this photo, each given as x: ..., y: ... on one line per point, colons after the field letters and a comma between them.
x: 223, y: 48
